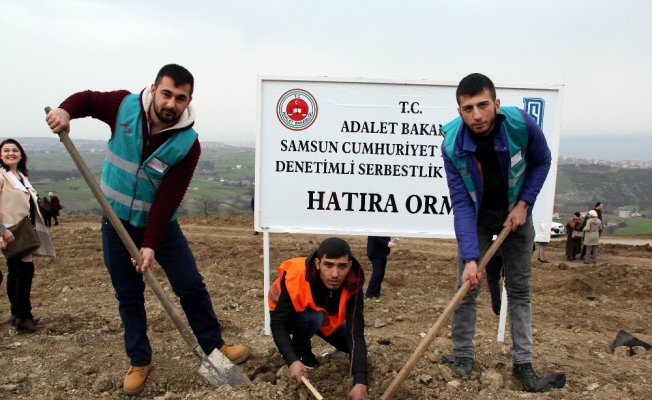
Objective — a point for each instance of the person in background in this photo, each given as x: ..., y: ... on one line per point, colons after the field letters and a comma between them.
x: 598, y: 210
x: 592, y: 237
x: 18, y: 201
x: 56, y: 207
x: 378, y: 248
x: 3, y: 245
x: 542, y: 252
x: 573, y: 237
x: 46, y: 210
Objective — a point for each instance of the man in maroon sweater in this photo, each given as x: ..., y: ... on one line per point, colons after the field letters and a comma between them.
x: 152, y: 155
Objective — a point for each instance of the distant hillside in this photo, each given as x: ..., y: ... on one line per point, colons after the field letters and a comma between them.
x: 580, y: 187
x: 222, y: 183
x: 53, y: 145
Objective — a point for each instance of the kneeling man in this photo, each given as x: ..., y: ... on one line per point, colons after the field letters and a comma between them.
x: 320, y: 294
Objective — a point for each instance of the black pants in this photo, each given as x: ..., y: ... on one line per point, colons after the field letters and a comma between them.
x: 47, y: 218
x: 378, y: 266
x: 494, y: 268
x: 19, y: 287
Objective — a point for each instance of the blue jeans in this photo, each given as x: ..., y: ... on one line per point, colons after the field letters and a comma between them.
x: 176, y: 259
x: 378, y: 266
x: 307, y: 324
x: 517, y: 259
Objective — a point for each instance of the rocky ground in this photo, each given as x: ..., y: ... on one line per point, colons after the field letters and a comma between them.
x: 80, y: 354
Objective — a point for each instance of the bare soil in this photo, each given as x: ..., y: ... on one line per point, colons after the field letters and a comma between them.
x: 80, y: 353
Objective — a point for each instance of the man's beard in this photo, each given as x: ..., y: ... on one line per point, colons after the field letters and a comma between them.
x: 490, y: 128
x: 162, y: 117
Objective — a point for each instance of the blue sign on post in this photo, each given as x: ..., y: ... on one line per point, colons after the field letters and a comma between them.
x: 535, y: 106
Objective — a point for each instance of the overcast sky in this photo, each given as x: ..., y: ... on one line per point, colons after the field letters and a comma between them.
x: 599, y: 50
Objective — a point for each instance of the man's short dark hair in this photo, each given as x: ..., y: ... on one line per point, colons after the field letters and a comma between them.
x: 178, y: 74
x: 598, y: 204
x: 475, y: 84
x: 334, y: 248
x: 577, y: 214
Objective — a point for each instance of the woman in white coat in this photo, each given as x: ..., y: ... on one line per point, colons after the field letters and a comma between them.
x: 592, y: 237
x: 18, y: 200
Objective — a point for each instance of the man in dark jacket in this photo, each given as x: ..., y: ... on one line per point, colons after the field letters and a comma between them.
x: 320, y: 294
x: 496, y: 161
x: 378, y: 248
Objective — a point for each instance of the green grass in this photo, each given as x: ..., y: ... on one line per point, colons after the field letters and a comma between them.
x: 72, y: 200
x: 81, y: 201
x: 564, y: 183
x: 63, y: 162
x: 223, y: 158
x: 635, y: 226
x: 632, y: 207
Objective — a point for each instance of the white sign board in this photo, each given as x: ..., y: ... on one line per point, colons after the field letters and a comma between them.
x: 362, y: 157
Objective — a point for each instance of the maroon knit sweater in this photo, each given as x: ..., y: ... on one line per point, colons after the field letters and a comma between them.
x: 104, y: 106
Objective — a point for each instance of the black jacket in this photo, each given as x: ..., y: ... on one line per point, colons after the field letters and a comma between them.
x: 377, y: 246
x: 283, y: 317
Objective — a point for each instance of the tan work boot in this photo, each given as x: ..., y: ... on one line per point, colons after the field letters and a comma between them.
x: 135, y: 379
x: 235, y: 353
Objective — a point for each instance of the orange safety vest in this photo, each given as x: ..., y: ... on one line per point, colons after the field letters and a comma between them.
x: 301, y: 296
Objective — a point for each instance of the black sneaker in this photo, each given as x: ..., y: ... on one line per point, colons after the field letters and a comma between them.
x: 309, y: 360
x: 526, y: 374
x: 462, y: 366
x: 12, y: 321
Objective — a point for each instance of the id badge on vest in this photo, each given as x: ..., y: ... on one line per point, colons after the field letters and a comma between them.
x: 157, y: 165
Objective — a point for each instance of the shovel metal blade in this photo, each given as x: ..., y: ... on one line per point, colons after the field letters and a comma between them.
x: 219, y: 370
x: 627, y: 339
x: 552, y: 381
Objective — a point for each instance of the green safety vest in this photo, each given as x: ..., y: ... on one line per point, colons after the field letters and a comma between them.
x: 130, y: 185
x: 517, y: 139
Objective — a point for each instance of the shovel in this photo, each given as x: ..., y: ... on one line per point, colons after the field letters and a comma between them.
x: 216, y: 368
x: 448, y: 311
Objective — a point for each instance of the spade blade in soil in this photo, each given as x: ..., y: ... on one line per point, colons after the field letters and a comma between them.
x: 552, y: 381
x: 219, y: 370
x: 626, y: 339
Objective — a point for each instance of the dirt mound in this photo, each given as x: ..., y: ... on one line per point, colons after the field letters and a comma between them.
x: 223, y: 220
x: 80, y: 354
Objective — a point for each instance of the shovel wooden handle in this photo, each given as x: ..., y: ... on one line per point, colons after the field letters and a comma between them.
x: 126, y: 239
x: 448, y: 311
x: 312, y: 389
